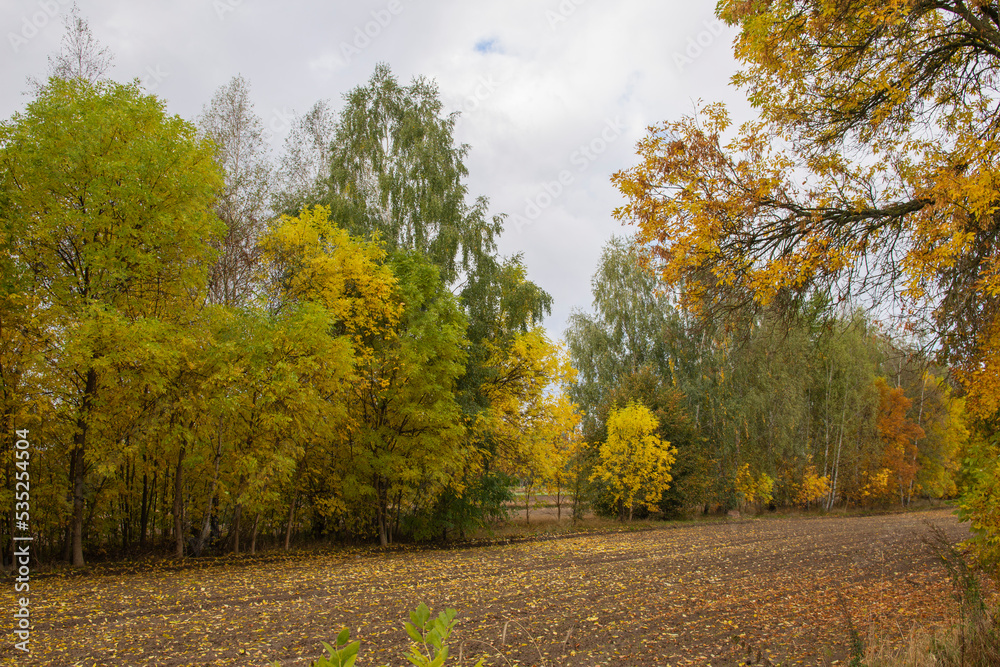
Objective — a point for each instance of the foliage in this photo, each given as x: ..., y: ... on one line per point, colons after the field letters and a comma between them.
x: 429, y: 635
x: 108, y: 211
x: 627, y: 332
x: 752, y: 490
x: 779, y: 392
x: 899, y: 435
x: 528, y: 416
x: 814, y: 487
x: 868, y: 176
x: 395, y: 172
x: 428, y: 647
x: 342, y: 654
x: 980, y: 502
x: 634, y: 463
x: 406, y: 434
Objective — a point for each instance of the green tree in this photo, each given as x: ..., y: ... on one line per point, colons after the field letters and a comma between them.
x: 633, y: 323
x: 397, y: 172
x: 313, y: 262
x: 405, y: 441
x: 109, y: 203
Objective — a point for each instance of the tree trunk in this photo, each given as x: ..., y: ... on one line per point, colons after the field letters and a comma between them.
x: 291, y: 517
x: 253, y: 536
x: 916, y: 448
x: 527, y: 503
x: 394, y: 526
x: 144, y: 507
x: 79, y: 447
x: 206, y: 522
x: 179, y: 505
x: 236, y: 528
x: 836, y: 469
x: 68, y: 540
x: 381, y: 508
x: 826, y: 422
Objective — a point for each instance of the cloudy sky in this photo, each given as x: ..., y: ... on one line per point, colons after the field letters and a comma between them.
x: 554, y: 94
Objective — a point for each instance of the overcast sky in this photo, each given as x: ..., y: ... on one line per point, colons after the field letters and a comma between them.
x: 549, y: 90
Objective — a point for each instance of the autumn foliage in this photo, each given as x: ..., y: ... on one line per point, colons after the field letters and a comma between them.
x: 634, y: 462
x: 866, y: 179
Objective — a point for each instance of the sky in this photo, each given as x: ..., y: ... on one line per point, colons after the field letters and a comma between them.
x: 553, y: 94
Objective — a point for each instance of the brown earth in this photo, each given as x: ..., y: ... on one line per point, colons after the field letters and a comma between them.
x: 783, y: 589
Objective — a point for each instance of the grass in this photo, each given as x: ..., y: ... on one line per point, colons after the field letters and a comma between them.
x: 971, y: 640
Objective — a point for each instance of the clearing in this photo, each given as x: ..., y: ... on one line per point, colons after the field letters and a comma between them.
x: 702, y: 594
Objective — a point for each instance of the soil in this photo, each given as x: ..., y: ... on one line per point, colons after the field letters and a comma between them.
x: 751, y: 591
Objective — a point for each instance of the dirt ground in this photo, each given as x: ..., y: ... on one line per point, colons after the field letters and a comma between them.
x: 783, y: 589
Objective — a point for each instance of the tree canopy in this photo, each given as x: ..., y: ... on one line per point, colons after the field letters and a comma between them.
x: 868, y: 173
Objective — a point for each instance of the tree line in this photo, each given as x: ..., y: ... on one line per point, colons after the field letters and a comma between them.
x: 819, y: 407
x: 209, y: 348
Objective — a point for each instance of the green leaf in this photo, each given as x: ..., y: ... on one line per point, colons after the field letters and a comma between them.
x: 424, y: 614
x: 343, y: 637
x: 412, y: 631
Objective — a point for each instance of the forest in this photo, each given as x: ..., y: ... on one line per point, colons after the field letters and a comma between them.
x: 210, y: 351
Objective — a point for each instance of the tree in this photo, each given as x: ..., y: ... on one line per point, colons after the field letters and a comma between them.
x: 630, y: 329
x: 943, y: 418
x: 404, y: 442
x: 396, y: 172
x: 868, y: 173
x: 312, y: 261
x: 899, y: 437
x: 634, y: 462
x: 109, y: 202
x: 814, y: 487
x: 81, y: 55
x: 305, y: 163
x: 238, y: 136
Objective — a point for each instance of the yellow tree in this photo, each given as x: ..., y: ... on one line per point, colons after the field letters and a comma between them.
x: 634, y: 463
x: 529, y: 415
x: 943, y: 417
x: 106, y: 200
x: 404, y: 351
x: 566, y: 449
x: 814, y: 487
x: 751, y: 490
